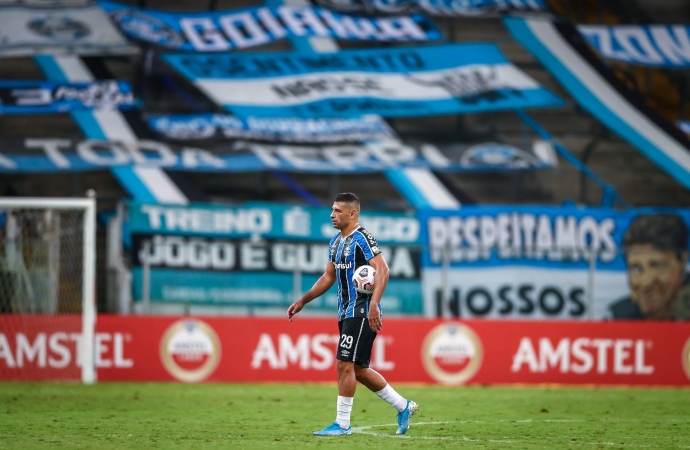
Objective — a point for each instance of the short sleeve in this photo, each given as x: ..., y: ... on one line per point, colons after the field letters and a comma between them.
x: 368, y: 244
x: 332, y: 248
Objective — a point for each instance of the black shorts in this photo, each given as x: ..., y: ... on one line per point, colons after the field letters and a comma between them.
x: 356, y: 341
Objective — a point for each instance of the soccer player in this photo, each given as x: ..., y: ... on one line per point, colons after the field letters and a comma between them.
x: 359, y: 315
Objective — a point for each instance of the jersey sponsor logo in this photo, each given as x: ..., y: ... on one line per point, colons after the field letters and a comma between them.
x: 452, y: 353
x: 190, y: 350
x: 343, y: 265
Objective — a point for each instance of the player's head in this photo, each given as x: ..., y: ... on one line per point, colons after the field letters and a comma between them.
x: 345, y: 210
x: 656, y: 252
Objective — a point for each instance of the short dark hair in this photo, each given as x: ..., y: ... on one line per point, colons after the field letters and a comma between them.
x: 347, y: 197
x: 667, y: 232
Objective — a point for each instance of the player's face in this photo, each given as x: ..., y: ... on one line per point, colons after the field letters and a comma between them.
x: 342, y: 215
x: 655, y: 276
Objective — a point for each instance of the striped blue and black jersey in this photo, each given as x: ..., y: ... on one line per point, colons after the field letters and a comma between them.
x: 347, y: 254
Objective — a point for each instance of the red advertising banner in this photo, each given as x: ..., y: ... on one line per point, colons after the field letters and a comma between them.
x: 195, y: 349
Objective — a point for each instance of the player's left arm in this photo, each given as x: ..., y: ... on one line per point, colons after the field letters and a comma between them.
x: 378, y: 262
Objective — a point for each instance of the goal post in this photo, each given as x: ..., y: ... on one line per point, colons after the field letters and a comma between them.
x: 47, y: 279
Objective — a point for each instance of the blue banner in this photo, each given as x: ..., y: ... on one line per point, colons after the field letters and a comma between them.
x: 50, y: 155
x: 471, y: 8
x: 42, y: 97
x: 647, y: 45
x: 533, y: 236
x: 287, y: 129
x: 250, y: 27
x: 263, y: 220
x: 551, y: 262
x: 560, y: 48
x: 248, y: 255
x: 408, y: 81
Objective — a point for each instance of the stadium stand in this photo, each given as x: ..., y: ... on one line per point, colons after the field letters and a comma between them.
x: 164, y: 91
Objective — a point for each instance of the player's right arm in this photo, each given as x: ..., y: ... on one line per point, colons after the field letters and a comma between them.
x: 322, y: 285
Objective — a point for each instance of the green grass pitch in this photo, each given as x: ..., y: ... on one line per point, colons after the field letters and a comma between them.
x: 283, y: 416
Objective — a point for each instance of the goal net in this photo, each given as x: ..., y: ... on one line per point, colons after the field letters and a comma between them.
x: 47, y: 275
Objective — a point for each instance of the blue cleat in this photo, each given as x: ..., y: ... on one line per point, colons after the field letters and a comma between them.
x: 405, y: 415
x: 334, y: 430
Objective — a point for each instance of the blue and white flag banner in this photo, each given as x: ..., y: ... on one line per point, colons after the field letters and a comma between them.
x: 41, y: 97
x: 213, y: 31
x: 647, y: 45
x: 49, y: 28
x: 263, y: 220
x: 464, y: 8
x: 247, y: 255
x: 50, y: 155
x: 543, y: 262
x: 391, y: 82
x: 559, y: 46
x: 192, y: 127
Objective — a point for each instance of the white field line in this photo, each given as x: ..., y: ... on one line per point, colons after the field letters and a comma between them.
x: 365, y: 430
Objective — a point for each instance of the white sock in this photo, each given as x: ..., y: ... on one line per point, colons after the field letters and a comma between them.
x: 391, y: 397
x: 343, y: 410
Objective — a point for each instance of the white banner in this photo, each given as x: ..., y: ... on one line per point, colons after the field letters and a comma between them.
x: 433, y: 85
x: 522, y: 293
x: 76, y: 30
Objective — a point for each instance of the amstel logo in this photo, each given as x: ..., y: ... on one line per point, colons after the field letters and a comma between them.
x: 190, y: 350
x: 452, y: 353
x: 686, y: 357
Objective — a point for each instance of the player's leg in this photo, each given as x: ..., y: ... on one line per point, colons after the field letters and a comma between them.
x: 376, y: 383
x: 347, y: 384
x: 350, y: 333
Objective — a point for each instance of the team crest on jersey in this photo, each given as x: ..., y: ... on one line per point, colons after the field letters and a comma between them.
x: 346, y: 251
